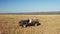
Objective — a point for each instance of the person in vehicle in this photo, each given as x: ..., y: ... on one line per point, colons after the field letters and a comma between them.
x: 29, y: 21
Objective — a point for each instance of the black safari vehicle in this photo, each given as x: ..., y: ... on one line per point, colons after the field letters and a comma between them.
x: 25, y: 23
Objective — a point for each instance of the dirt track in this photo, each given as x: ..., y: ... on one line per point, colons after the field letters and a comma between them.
x: 50, y: 24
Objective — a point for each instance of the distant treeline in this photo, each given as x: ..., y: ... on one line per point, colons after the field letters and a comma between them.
x: 31, y: 13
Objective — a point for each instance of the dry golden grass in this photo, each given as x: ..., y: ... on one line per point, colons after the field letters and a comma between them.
x: 50, y: 24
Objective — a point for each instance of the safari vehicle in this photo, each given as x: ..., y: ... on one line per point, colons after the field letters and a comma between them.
x: 25, y: 23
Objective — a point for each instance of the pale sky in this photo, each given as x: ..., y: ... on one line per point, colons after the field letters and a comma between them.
x: 22, y: 6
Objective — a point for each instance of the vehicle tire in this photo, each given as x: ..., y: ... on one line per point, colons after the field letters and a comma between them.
x: 36, y: 24
x: 24, y: 26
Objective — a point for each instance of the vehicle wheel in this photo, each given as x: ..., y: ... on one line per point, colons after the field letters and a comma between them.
x: 36, y: 24
x: 24, y: 26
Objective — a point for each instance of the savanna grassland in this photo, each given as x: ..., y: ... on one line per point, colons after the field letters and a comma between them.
x: 50, y: 24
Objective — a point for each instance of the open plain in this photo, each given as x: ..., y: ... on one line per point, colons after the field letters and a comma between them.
x: 50, y: 24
